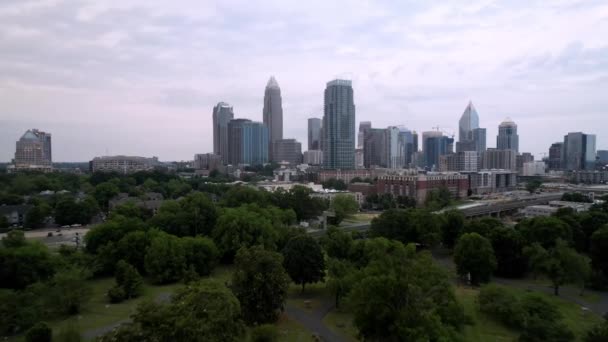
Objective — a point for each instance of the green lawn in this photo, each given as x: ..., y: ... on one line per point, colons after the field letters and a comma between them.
x: 487, y: 329
x: 291, y: 331
x: 311, y: 298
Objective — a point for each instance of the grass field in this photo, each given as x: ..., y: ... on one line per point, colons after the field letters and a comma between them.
x: 341, y: 323
x: 487, y: 329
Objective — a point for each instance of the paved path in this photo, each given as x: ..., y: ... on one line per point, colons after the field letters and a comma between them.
x: 313, y: 321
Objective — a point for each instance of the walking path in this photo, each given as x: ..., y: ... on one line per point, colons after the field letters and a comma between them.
x: 313, y: 321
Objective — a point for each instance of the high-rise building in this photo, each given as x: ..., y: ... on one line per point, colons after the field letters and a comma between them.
x: 314, y: 133
x: 555, y: 156
x: 207, y: 161
x: 521, y: 159
x: 602, y: 157
x: 466, y: 161
x: 33, y: 150
x: 222, y: 114
x: 434, y: 145
x: 392, y: 159
x: 374, y: 148
x: 578, y: 152
x: 359, y: 159
x: 493, y: 158
x: 407, y: 146
x: 364, y: 126
x: 507, y: 138
x: 479, y: 139
x: 273, y: 113
x: 339, y: 126
x: 313, y: 157
x: 467, y: 123
x: 247, y: 142
x: 415, y: 141
x: 288, y: 150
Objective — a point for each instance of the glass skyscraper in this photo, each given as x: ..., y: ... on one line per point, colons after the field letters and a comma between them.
x: 339, y: 126
x: 222, y: 114
x: 434, y: 145
x: 248, y: 142
x: 314, y: 134
x: 273, y: 112
x: 507, y: 138
x: 578, y: 151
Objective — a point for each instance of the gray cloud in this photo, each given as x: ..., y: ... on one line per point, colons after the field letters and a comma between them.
x: 137, y: 76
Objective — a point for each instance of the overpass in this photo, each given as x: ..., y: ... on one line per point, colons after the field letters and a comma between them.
x: 510, y: 206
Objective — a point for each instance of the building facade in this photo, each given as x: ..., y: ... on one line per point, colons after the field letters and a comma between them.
x: 534, y: 168
x: 435, y: 145
x: 314, y: 133
x: 313, y: 157
x: 507, y: 138
x: 123, y: 164
x: 247, y: 142
x: 339, y: 126
x: 498, y: 159
x: 364, y: 126
x: 420, y: 186
x: 466, y: 161
x: 273, y: 113
x: 222, y: 114
x: 288, y: 150
x: 207, y: 161
x: 374, y: 148
x: 470, y: 136
x: 555, y: 161
x: 492, y: 181
x: 578, y: 152
x: 33, y: 151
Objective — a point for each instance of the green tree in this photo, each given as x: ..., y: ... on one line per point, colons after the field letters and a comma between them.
x: 304, y: 260
x: 203, y: 311
x: 104, y: 192
x: 500, y: 303
x: 165, y: 259
x: 508, y: 246
x: 69, y: 291
x: 35, y: 217
x: 533, y: 185
x: 451, y: 227
x: 599, y: 249
x: 542, y: 321
x: 544, y: 230
x: 128, y: 279
x: 241, y: 227
x: 133, y: 246
x: 200, y: 253
x: 111, y: 231
x: 474, y: 256
x: 336, y: 184
x: 343, y: 206
x: 260, y: 283
x: 408, y: 225
x: 337, y: 243
x: 438, y: 199
x: 4, y: 222
x: 14, y: 239
x: 24, y: 265
x: 598, y: 333
x: 341, y: 278
x: 200, y: 212
x: 561, y: 264
x: 405, y: 296
x: 40, y: 332
x: 482, y: 226
x: 239, y: 195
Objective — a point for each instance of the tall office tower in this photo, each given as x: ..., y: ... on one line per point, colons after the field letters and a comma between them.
x: 392, y: 159
x: 33, y: 149
x: 339, y: 126
x: 288, y: 150
x: 247, y: 142
x: 406, y: 146
x: 466, y: 161
x: 359, y: 159
x: 222, y: 114
x: 364, y: 126
x: 314, y: 133
x: 555, y: 156
x: 578, y: 152
x: 493, y: 158
x: 479, y: 139
x: 602, y: 157
x: 415, y: 141
x: 434, y: 145
x: 374, y: 148
x: 521, y: 159
x: 273, y: 113
x: 467, y: 123
x: 507, y: 138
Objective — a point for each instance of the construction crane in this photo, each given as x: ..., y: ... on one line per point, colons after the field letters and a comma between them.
x: 449, y: 134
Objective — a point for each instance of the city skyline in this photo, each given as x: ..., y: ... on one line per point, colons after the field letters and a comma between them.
x: 146, y: 86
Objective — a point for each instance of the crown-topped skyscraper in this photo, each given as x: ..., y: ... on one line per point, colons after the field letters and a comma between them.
x: 273, y: 113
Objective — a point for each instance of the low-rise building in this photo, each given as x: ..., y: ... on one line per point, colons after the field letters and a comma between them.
x: 313, y: 157
x: 207, y: 161
x: 329, y: 195
x: 490, y: 181
x: 150, y: 201
x: 366, y: 189
x: 418, y: 186
x: 589, y: 177
x: 15, y: 214
x: 533, y: 168
x: 123, y: 164
x: 553, y: 207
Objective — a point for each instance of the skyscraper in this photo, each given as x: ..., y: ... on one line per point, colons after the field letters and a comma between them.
x: 578, y: 152
x: 555, y: 156
x: 314, y: 134
x: 479, y: 139
x: 507, y: 138
x: 247, y: 142
x: 468, y: 122
x: 494, y: 158
x: 364, y: 126
x: 222, y: 114
x: 374, y: 148
x: 288, y: 150
x: 273, y: 113
x: 339, y: 126
x: 407, y: 146
x: 434, y: 145
x: 33, y: 149
x: 392, y: 159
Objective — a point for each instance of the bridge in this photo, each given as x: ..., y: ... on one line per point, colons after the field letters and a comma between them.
x: 510, y: 206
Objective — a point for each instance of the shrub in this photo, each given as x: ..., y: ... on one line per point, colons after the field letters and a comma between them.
x: 116, y: 294
x: 500, y: 303
x: 39, y: 333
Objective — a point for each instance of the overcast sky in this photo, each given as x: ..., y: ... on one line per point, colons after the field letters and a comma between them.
x: 140, y: 77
